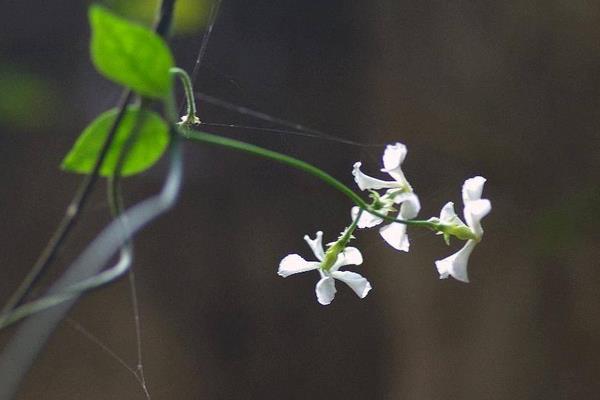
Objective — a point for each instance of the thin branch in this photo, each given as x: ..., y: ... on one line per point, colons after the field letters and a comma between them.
x: 164, y: 18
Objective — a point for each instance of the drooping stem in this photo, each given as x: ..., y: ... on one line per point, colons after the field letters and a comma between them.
x: 295, y: 163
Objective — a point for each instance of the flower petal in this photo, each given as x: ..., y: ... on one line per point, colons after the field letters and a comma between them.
x: 367, y: 220
x: 472, y: 189
x: 456, y: 264
x: 316, y: 245
x: 393, y: 156
x: 395, y: 235
x: 448, y: 215
x: 474, y: 211
x: 350, y: 256
x: 325, y: 290
x: 410, y: 207
x: 294, y: 264
x: 366, y: 182
x: 357, y: 282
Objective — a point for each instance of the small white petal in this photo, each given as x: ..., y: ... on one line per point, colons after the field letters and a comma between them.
x: 393, y: 156
x: 448, y: 215
x: 472, y: 189
x: 350, y: 256
x: 456, y: 264
x: 325, y: 290
x: 294, y: 264
x: 395, y: 235
x: 316, y: 245
x: 367, y: 220
x: 366, y: 182
x: 357, y: 282
x: 474, y: 211
x: 410, y: 207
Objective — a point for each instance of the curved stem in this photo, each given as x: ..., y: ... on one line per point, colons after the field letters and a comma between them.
x: 295, y: 163
x: 188, y: 89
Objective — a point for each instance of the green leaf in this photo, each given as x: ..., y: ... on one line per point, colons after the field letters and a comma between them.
x: 152, y: 140
x: 130, y: 54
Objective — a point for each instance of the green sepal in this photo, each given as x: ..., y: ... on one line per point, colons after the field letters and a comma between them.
x: 455, y: 228
x: 461, y: 232
x: 379, y: 202
x: 151, y: 143
x: 130, y: 54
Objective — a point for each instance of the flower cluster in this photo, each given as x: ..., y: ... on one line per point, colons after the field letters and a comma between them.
x: 325, y: 289
x: 388, y: 197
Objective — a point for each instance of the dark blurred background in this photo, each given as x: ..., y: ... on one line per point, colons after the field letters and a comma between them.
x: 509, y: 90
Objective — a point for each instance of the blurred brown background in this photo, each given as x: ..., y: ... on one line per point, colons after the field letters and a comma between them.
x: 508, y: 90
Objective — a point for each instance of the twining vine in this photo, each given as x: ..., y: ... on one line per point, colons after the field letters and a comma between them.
x: 130, y: 138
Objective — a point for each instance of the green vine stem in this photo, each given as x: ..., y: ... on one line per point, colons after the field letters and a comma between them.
x: 295, y: 163
x: 190, y: 102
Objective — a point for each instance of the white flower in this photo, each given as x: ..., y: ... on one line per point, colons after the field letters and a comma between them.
x: 398, y: 191
x: 393, y: 157
x: 325, y: 289
x: 475, y: 208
